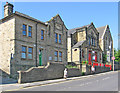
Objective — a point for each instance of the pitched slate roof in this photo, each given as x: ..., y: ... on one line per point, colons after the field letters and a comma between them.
x: 101, y: 31
x: 71, y: 31
x: 22, y: 15
x: 78, y: 44
x: 26, y: 16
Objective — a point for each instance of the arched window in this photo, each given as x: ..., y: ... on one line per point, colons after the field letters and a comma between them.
x: 94, y: 42
x: 83, y: 53
x: 89, y: 40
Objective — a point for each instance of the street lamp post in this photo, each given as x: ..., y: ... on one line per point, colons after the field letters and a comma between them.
x: 113, y: 59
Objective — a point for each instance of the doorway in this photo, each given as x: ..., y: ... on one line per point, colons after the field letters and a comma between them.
x: 89, y: 58
x: 40, y: 57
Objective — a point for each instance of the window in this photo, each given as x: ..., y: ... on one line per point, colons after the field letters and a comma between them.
x: 75, y: 49
x: 56, y: 37
x: 56, y: 55
x: 89, y: 41
x: 49, y: 30
x: 60, y: 56
x: 42, y: 34
x: 24, y: 50
x: 30, y: 53
x: 24, y: 30
x: 29, y: 31
x: 83, y: 53
x: 100, y: 56
x: 106, y: 42
x: 109, y: 41
x: 60, y: 38
x: 94, y: 42
x: 95, y: 56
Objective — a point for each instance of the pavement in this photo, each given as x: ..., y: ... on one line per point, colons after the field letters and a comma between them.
x: 16, y: 86
x: 7, y: 80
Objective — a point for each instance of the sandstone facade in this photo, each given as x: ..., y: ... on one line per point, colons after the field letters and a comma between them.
x: 27, y: 42
x: 106, y: 42
x: 83, y: 45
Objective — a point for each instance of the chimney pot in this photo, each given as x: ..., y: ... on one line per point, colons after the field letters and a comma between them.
x: 8, y: 9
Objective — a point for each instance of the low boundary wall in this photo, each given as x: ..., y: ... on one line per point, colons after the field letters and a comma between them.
x: 51, y: 71
x: 55, y: 70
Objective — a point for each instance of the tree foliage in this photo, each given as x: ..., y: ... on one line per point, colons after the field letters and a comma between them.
x: 117, y: 55
x: 104, y: 58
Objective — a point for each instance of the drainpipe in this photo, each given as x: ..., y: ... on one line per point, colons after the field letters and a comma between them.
x: 36, y: 46
x: 80, y: 55
x: 71, y: 46
x: 80, y: 59
x: 66, y: 48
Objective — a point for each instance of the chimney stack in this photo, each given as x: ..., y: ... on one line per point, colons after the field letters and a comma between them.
x: 8, y: 9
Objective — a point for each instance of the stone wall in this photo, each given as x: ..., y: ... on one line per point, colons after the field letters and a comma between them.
x: 7, y: 36
x: 98, y: 69
x: 51, y: 71
x: 74, y: 72
x: 54, y: 71
x: 117, y: 66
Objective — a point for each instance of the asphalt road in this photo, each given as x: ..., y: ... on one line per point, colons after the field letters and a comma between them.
x: 106, y: 82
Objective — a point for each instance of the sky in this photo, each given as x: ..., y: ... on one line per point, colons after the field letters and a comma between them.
x: 74, y: 14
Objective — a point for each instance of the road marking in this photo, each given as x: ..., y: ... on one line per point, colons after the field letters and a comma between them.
x: 106, y: 78
x: 85, y: 84
x: 81, y: 78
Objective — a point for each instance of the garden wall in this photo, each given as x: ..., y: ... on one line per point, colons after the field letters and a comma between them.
x: 55, y: 70
x: 51, y: 71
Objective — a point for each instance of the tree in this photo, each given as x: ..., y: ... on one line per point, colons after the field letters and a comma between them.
x: 117, y: 55
x: 104, y: 58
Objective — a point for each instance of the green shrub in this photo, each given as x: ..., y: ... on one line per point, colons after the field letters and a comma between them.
x: 70, y: 66
x: 83, y: 73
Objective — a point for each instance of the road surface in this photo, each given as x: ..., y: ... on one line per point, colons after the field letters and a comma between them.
x: 104, y: 82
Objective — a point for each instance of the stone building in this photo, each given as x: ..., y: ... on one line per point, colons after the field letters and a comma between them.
x: 83, y: 45
x: 106, y: 42
x: 27, y: 42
